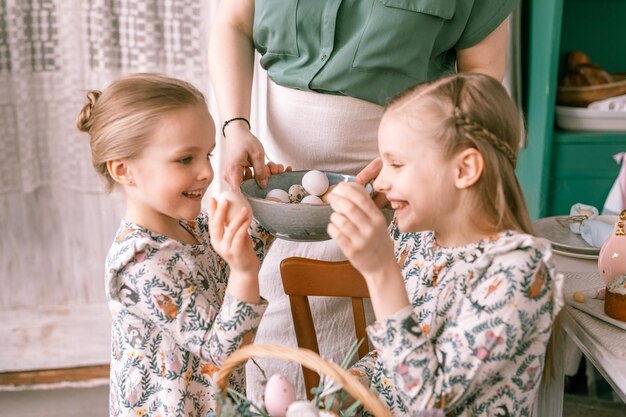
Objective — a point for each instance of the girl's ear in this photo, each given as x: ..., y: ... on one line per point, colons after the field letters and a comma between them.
x: 120, y: 171
x: 469, y: 168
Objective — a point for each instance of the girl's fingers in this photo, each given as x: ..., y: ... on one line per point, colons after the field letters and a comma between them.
x: 212, y: 207
x: 238, y: 224
x: 344, y: 224
x: 218, y: 218
x: 353, y: 203
x: 241, y: 239
x: 344, y: 242
x: 213, y: 221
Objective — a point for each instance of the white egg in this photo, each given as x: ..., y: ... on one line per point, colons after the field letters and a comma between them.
x: 277, y: 194
x: 315, y: 182
x: 312, y: 199
x: 302, y: 409
x: 235, y: 203
x: 279, y: 395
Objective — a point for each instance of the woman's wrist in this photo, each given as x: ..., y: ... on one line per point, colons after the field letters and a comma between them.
x: 235, y: 121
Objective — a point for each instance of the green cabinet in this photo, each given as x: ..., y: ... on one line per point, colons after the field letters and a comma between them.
x: 558, y: 168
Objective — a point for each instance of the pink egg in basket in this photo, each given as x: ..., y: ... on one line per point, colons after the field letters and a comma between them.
x: 279, y: 394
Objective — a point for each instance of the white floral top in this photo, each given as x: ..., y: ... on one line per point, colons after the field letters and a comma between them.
x: 474, y: 341
x: 173, y: 323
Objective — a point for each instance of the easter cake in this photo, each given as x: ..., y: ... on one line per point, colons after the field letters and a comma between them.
x: 615, y: 298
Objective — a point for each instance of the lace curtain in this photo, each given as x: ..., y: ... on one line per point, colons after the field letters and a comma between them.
x: 56, y: 222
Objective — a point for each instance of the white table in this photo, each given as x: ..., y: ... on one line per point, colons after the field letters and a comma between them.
x: 611, y: 367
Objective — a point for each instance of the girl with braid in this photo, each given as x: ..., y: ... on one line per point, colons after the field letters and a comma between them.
x: 464, y: 294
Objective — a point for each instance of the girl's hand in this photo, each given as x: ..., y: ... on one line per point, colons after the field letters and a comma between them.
x: 360, y: 229
x: 232, y: 241
x: 369, y: 174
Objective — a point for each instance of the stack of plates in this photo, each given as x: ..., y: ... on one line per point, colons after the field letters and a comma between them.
x: 576, y: 118
x: 564, y: 241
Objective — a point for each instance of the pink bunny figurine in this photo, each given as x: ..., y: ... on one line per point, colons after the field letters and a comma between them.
x: 612, y: 259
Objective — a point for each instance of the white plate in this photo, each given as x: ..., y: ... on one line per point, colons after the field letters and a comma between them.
x: 574, y: 254
x: 594, y: 306
x: 562, y: 238
x: 582, y: 118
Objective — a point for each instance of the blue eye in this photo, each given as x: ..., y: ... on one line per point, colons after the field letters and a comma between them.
x: 186, y: 160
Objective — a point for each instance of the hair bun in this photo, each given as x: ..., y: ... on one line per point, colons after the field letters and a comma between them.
x: 83, y: 122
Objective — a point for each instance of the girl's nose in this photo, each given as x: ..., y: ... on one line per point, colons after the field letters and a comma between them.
x: 381, y: 184
x: 206, y: 171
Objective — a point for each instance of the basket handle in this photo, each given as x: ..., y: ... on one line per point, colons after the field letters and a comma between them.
x: 311, y: 360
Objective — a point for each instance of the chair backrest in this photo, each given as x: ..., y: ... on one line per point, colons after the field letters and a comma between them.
x: 304, y: 277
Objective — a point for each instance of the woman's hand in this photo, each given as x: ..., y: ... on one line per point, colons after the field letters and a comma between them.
x: 243, y: 151
x: 274, y: 168
x: 369, y: 174
x: 360, y: 228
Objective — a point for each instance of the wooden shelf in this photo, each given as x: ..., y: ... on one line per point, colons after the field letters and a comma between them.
x: 559, y: 168
x: 54, y: 376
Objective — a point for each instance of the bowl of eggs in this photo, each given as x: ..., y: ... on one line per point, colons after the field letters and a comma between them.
x: 294, y: 205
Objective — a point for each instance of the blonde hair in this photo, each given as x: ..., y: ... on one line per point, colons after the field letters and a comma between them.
x: 120, y: 120
x: 470, y: 110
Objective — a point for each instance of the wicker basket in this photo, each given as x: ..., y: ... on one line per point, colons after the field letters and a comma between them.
x: 311, y: 360
x: 583, y: 96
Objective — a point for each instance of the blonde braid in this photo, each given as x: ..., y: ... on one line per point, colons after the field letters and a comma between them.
x: 476, y: 130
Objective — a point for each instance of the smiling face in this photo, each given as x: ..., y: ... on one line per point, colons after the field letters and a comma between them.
x: 416, y: 177
x: 172, y: 173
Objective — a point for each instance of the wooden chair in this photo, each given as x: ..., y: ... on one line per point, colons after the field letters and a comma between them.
x: 304, y: 277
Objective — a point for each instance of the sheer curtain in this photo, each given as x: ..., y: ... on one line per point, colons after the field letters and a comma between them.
x: 55, y: 220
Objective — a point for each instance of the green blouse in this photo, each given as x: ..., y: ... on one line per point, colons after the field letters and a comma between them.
x: 368, y: 49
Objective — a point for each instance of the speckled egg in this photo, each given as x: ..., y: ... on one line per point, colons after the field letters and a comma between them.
x: 236, y: 203
x: 277, y: 194
x: 279, y: 395
x: 296, y: 193
x: 315, y: 182
x: 312, y: 199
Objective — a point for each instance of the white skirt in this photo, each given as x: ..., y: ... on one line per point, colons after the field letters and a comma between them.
x: 309, y: 130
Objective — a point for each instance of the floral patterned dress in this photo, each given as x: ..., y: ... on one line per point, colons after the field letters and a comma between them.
x: 474, y: 341
x: 173, y: 322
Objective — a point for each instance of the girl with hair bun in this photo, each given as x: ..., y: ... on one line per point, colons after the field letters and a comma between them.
x: 182, y: 286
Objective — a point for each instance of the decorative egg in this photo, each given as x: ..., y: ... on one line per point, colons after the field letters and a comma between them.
x: 235, y: 203
x: 277, y: 194
x: 612, y: 258
x: 315, y: 182
x: 296, y: 193
x: 302, y: 409
x: 312, y: 199
x: 279, y: 395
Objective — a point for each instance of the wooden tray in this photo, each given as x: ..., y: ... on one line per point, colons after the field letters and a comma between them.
x: 583, y: 96
x: 594, y: 306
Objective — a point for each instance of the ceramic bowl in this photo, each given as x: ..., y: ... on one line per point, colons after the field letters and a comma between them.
x: 291, y: 221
